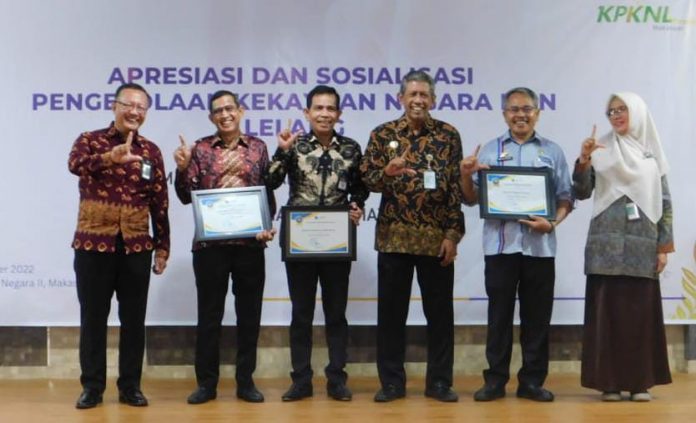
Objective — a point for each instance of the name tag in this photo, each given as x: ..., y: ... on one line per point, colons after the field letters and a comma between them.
x: 429, y: 179
x: 342, y: 183
x: 146, y: 170
x: 632, y: 212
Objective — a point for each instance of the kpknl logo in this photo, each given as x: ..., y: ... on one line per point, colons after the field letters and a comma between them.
x: 657, y: 15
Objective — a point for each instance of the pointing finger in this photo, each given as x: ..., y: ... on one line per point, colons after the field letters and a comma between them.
x: 594, y: 131
x: 476, y: 152
x: 295, y: 135
x: 182, y: 140
x: 129, y: 140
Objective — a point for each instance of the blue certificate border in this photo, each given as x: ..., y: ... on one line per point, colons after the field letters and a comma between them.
x: 289, y: 254
x: 542, y: 172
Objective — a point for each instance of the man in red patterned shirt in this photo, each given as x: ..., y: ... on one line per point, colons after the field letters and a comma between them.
x: 226, y: 159
x: 122, y: 185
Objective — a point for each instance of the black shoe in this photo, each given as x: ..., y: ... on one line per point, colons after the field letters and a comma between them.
x: 489, y: 392
x: 249, y: 393
x: 339, y: 391
x: 297, y: 392
x: 441, y: 392
x: 389, y: 393
x: 201, y: 395
x: 89, y: 398
x: 133, y: 397
x: 534, y: 393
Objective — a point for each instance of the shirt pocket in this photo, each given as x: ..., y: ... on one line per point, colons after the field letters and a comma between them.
x: 543, y: 160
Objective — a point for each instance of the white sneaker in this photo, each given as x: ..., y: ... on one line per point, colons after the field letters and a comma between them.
x: 611, y: 396
x: 640, y: 396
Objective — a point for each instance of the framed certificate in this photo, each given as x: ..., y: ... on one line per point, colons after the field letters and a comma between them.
x: 314, y: 233
x: 516, y: 192
x: 228, y: 213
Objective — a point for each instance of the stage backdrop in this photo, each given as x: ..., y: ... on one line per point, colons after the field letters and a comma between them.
x: 63, y: 60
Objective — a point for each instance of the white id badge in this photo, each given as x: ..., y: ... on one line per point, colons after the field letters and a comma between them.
x: 632, y: 211
x: 429, y: 179
x: 146, y: 170
x: 342, y: 184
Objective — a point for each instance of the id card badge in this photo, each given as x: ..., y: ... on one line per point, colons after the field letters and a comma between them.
x: 342, y: 183
x: 632, y: 211
x: 429, y: 179
x: 146, y: 169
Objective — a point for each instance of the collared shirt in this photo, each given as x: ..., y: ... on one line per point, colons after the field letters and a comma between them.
x: 214, y: 164
x: 510, y: 236
x: 318, y: 175
x: 413, y: 219
x: 119, y: 198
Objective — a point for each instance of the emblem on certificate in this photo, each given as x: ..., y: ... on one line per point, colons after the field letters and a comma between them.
x: 516, y: 192
x: 228, y: 213
x: 314, y: 233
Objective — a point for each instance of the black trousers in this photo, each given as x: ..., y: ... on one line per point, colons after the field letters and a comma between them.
x: 98, y: 276
x: 395, y: 276
x: 532, y: 278
x: 302, y: 284
x: 212, y: 267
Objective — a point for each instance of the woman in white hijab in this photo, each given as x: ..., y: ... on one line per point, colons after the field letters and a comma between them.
x: 624, y: 344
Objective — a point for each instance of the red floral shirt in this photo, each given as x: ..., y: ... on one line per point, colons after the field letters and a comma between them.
x: 217, y: 165
x: 118, y: 198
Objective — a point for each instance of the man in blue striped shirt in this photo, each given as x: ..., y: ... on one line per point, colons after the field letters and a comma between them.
x: 519, y: 253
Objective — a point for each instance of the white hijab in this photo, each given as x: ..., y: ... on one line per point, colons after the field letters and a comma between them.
x: 631, y: 164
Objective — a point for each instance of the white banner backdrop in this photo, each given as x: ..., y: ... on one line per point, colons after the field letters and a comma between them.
x: 63, y: 60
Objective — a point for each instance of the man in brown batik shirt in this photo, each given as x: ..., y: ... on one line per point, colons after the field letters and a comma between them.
x: 413, y: 161
x: 122, y: 186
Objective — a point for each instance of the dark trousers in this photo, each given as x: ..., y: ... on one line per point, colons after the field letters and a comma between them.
x: 212, y: 267
x: 532, y: 278
x: 302, y: 284
x: 395, y: 276
x: 98, y: 276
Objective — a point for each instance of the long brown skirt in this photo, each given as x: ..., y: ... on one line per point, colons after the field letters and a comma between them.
x: 624, y: 347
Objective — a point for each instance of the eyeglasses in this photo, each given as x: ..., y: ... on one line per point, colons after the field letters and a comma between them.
x: 527, y: 110
x: 229, y: 109
x: 133, y: 106
x: 616, y: 111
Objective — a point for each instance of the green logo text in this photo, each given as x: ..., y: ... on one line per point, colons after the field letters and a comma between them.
x: 634, y: 14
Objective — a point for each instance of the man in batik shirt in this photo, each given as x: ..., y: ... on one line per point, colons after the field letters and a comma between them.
x: 413, y: 161
x: 323, y: 170
x: 226, y: 159
x: 122, y: 185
